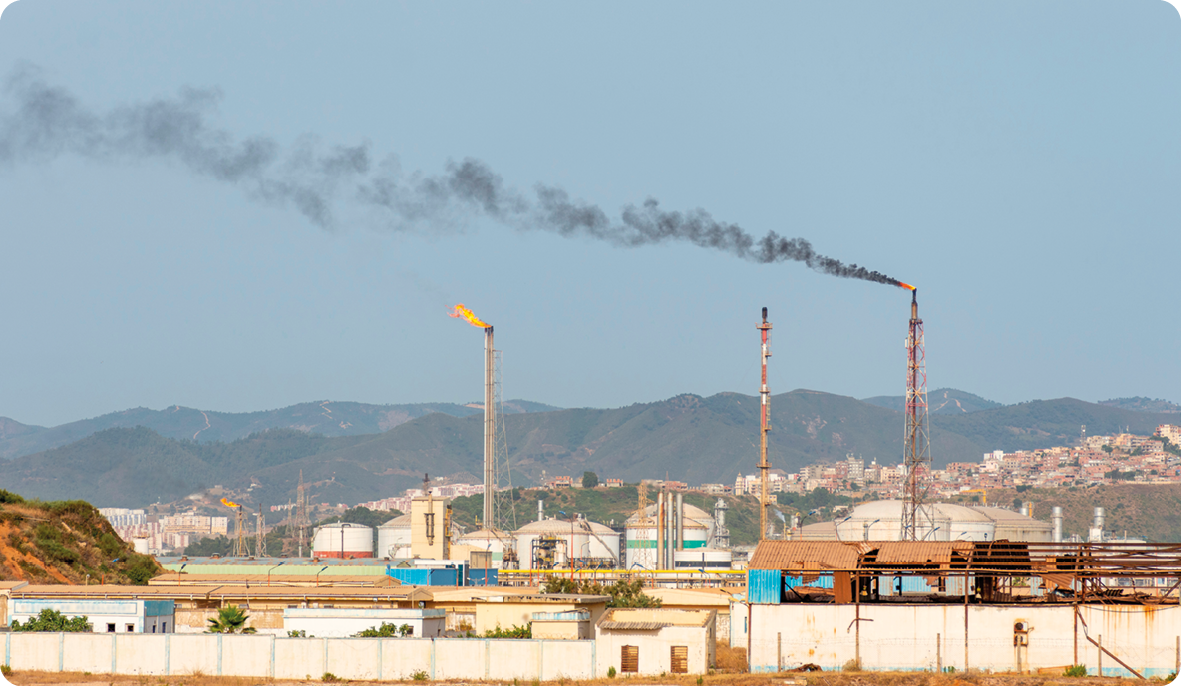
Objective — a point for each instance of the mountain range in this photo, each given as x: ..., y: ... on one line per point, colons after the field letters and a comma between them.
x: 688, y: 438
x: 326, y: 418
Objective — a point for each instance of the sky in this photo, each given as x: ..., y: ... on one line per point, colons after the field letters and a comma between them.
x: 1016, y: 161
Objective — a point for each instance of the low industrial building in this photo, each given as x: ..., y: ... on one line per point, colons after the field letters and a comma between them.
x: 655, y: 641
x: 567, y: 626
x: 485, y: 609
x: 194, y: 606
x: 333, y: 622
x: 997, y: 605
x: 105, y: 615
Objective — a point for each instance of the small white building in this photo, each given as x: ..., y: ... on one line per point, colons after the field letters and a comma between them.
x: 655, y: 641
x: 105, y: 616
x: 339, y: 622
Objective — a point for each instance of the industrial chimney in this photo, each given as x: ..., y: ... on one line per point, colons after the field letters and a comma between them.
x: 1056, y: 518
x: 489, y: 430
x: 1096, y: 533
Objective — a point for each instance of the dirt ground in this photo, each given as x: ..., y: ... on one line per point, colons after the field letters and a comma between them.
x: 736, y: 679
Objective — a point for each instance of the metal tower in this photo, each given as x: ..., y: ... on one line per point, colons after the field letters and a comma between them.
x: 301, y: 520
x: 260, y: 541
x: 505, y: 513
x: 240, y: 547
x: 765, y: 414
x: 916, y: 519
x: 489, y: 520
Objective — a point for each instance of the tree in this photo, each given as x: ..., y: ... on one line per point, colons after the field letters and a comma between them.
x: 590, y: 479
x: 230, y: 620
x: 623, y: 593
x: 52, y: 620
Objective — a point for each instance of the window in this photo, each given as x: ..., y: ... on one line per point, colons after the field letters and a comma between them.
x: 629, y: 660
x: 111, y: 628
x: 131, y: 628
x: 153, y: 628
x: 164, y: 627
x: 680, y: 659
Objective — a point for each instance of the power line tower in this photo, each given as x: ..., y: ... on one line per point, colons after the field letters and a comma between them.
x: 260, y: 541
x: 301, y: 520
x: 765, y: 416
x: 917, y: 446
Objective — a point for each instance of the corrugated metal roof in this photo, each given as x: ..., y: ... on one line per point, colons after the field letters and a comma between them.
x: 921, y: 552
x: 633, y: 626
x: 799, y: 555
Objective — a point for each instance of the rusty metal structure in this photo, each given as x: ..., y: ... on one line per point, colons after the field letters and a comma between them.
x: 973, y: 572
x: 765, y: 416
x: 916, y: 519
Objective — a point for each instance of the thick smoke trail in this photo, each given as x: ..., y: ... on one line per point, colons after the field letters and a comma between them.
x: 46, y: 122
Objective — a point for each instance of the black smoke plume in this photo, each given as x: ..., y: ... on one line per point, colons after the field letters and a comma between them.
x: 44, y: 122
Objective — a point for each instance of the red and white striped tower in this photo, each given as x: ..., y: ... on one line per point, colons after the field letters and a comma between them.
x: 765, y: 414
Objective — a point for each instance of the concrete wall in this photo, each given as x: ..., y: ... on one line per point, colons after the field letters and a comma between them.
x: 349, y: 621
x: 923, y: 637
x: 655, y: 648
x: 385, y: 659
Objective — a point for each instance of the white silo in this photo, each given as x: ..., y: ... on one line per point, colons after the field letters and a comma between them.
x: 343, y: 540
x: 641, y: 535
x: 590, y: 544
x: 494, y: 542
x: 553, y: 538
x: 393, y: 538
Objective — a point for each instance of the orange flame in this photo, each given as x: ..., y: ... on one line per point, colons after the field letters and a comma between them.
x: 461, y: 312
x: 906, y: 285
x: 228, y: 503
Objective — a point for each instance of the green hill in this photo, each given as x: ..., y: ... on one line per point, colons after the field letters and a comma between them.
x: 65, y: 542
x: 687, y: 437
x: 942, y: 401
x: 324, y: 418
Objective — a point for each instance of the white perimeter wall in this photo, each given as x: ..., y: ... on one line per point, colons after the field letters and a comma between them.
x: 384, y: 659
x: 918, y: 637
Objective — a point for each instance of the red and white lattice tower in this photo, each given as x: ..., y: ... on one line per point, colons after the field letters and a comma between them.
x: 916, y: 517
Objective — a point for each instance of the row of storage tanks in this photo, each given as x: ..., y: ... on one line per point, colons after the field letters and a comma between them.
x: 589, y: 541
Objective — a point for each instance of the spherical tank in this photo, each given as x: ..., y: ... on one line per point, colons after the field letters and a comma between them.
x: 343, y: 541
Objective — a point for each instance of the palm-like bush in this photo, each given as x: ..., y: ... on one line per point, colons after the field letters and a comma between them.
x: 230, y: 620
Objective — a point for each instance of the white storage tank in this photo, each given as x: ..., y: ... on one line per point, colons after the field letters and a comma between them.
x: 591, y: 543
x: 343, y: 540
x: 490, y: 541
x: 642, y: 536
x: 704, y: 559
x: 393, y: 538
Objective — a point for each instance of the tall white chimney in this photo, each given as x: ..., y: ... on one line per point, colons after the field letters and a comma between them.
x: 1056, y: 517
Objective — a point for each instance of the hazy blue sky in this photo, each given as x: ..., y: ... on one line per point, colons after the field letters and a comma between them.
x: 1018, y: 161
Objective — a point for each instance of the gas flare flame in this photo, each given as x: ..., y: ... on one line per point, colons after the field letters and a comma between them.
x: 906, y: 285
x: 228, y: 503
x: 461, y: 312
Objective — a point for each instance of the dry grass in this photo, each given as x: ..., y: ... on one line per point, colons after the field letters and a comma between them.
x: 21, y: 678
x: 731, y: 660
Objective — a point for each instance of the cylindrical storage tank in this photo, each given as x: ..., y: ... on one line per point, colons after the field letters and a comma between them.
x: 704, y: 559
x: 393, y: 538
x: 1056, y: 518
x: 552, y: 529
x: 596, y: 542
x: 344, y: 540
x: 641, y: 537
x: 140, y: 545
x: 490, y: 541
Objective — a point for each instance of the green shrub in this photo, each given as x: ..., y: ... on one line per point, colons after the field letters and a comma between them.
x: 329, y: 677
x: 5, y: 669
x: 1075, y: 670
x: 386, y: 630
x: 420, y: 675
x: 852, y: 666
x: 52, y: 620
x: 611, y: 672
x: 8, y: 497
x: 514, y: 632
